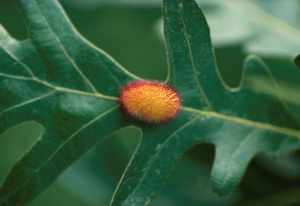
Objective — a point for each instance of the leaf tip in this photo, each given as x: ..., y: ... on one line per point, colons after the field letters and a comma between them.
x: 221, y: 191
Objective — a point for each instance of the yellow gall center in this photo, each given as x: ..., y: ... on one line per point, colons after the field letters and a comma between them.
x: 151, y: 101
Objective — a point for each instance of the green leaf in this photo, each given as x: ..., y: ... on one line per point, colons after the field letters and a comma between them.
x: 61, y: 81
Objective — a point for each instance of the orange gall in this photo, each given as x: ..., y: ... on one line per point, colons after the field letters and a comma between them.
x: 150, y: 101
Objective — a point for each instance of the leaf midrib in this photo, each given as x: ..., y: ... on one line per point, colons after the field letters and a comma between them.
x: 266, y: 126
x: 282, y: 130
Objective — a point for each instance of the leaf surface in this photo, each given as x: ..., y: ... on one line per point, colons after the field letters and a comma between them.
x: 61, y: 81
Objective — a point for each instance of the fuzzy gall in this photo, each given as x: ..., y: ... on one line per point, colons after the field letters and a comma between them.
x: 150, y: 101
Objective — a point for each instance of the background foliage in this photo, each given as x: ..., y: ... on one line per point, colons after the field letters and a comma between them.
x: 132, y: 29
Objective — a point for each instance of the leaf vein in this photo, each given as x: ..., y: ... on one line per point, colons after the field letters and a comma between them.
x: 192, y: 60
x: 62, y: 89
x: 58, y: 149
x: 28, y: 102
x: 235, y: 153
x: 65, y: 52
x: 15, y: 58
x: 163, y: 145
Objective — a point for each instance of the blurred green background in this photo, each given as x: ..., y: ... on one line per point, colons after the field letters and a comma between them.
x: 131, y: 32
